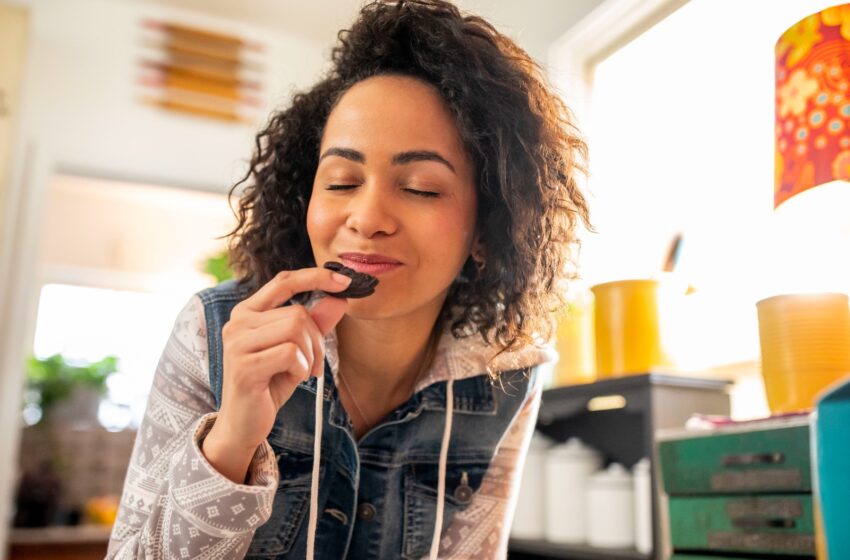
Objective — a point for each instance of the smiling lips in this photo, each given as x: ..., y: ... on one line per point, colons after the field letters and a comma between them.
x: 369, y: 263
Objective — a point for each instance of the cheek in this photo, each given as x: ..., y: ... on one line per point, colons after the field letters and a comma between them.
x: 448, y: 239
x: 319, y: 221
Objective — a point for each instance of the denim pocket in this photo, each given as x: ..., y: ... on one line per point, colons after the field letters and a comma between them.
x: 420, y: 501
x: 290, y: 506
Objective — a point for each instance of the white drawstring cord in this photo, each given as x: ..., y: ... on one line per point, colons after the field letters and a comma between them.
x: 317, y: 458
x: 441, y: 484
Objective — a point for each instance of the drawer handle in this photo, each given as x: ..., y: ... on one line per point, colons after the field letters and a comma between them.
x: 750, y: 523
x: 753, y: 459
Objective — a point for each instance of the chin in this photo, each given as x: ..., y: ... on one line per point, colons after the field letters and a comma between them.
x: 375, y: 307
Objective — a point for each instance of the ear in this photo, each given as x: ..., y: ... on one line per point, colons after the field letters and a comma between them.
x: 477, y: 252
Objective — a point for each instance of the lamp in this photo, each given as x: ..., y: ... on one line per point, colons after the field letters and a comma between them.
x: 805, y: 337
x: 813, y: 104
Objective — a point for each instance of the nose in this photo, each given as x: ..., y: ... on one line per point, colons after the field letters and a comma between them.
x: 370, y: 211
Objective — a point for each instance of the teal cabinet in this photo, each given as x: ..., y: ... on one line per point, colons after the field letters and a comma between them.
x: 740, y: 491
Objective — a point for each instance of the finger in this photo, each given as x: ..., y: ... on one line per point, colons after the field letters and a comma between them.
x: 281, y: 387
x: 290, y: 282
x: 291, y: 323
x: 286, y: 324
x: 283, y: 358
x: 328, y: 312
x: 255, y: 320
x: 318, y: 342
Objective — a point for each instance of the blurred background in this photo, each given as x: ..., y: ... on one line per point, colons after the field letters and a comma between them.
x: 124, y: 123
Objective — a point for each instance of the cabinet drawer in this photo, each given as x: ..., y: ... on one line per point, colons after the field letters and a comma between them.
x: 775, y: 460
x: 778, y: 524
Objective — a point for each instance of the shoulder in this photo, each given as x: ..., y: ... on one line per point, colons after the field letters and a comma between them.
x: 461, y: 358
x: 189, y: 324
x: 218, y: 301
x: 227, y: 291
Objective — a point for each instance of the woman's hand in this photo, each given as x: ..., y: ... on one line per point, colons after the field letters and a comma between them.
x: 268, y: 351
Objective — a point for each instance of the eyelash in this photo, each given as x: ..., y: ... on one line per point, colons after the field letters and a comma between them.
x: 423, y: 194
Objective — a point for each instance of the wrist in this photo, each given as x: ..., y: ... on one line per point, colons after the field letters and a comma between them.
x: 225, y: 439
x: 229, y: 459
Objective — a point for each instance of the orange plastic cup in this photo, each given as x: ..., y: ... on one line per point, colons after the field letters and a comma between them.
x: 805, y: 347
x: 627, y: 328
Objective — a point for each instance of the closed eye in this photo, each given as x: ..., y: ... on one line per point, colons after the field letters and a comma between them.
x: 424, y: 194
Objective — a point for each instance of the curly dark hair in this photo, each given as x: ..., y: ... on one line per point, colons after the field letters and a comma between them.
x: 522, y: 140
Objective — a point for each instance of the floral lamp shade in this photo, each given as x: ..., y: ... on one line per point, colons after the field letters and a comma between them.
x: 813, y: 103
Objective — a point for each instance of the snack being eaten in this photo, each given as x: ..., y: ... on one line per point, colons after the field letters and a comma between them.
x: 362, y: 284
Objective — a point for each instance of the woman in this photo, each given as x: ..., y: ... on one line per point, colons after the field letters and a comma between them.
x: 286, y: 423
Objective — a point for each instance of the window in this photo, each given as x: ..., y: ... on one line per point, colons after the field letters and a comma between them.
x: 681, y: 126
x: 86, y: 324
x: 678, y: 110
x: 117, y: 263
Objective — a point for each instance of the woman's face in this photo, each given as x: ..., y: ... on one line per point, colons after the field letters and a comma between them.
x: 393, y: 184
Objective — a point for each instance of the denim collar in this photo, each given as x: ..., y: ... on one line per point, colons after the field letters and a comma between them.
x: 473, y: 395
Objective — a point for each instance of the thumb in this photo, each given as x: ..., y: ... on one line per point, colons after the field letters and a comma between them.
x: 327, y: 312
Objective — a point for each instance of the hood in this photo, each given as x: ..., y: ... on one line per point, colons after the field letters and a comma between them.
x: 457, y: 359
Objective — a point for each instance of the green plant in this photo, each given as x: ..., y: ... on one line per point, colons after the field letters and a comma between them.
x: 53, y: 379
x: 218, y: 266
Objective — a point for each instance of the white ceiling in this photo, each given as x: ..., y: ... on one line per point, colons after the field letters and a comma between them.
x: 533, y: 23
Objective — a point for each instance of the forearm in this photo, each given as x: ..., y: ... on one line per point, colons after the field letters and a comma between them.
x: 174, y: 500
x: 193, y: 498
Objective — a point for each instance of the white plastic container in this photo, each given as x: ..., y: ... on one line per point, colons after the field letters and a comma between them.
x: 643, y: 505
x: 610, y: 505
x: 530, y: 509
x: 568, y: 467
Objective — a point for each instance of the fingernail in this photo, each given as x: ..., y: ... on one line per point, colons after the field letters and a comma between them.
x: 342, y: 278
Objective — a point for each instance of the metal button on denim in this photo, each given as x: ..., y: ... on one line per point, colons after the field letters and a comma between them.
x: 463, y: 493
x: 366, y: 512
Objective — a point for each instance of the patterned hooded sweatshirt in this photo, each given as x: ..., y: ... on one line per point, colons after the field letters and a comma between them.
x: 454, y: 460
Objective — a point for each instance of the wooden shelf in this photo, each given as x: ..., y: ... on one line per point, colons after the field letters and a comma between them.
x: 571, y: 552
x: 61, y: 534
x: 80, y: 542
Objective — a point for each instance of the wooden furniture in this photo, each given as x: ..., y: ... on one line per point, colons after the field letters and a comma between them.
x: 84, y: 542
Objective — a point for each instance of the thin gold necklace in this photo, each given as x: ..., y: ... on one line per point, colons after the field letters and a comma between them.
x: 354, y: 399
x: 429, y: 355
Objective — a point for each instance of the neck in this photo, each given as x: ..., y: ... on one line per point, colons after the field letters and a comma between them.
x: 382, y: 360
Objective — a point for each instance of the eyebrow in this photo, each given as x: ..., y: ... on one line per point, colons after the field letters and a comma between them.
x: 400, y: 158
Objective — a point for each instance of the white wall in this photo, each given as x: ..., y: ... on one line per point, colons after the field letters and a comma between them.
x: 82, y: 96
x: 130, y: 236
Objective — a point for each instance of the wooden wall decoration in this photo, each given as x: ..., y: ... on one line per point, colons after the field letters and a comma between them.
x: 201, y: 72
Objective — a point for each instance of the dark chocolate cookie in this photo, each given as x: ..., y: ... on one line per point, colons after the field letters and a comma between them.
x: 362, y: 284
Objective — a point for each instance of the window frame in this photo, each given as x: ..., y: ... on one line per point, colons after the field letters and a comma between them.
x: 573, y: 57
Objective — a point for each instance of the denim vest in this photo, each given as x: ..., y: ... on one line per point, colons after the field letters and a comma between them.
x: 377, y: 497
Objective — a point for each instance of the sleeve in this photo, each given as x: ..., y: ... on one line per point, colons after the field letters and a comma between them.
x: 174, y: 503
x: 481, y: 530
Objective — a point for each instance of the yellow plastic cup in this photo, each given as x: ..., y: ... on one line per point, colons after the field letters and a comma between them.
x: 805, y: 347
x: 627, y: 328
x: 575, y: 344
